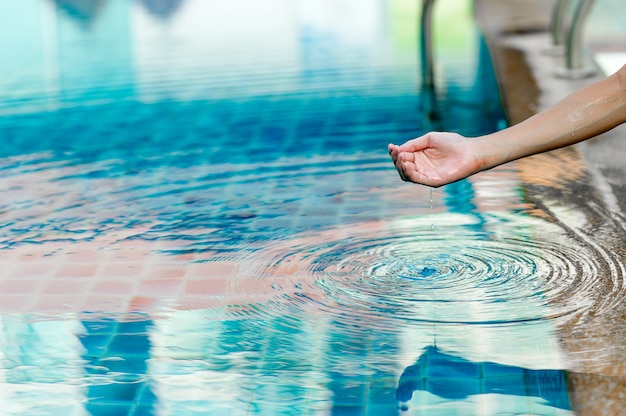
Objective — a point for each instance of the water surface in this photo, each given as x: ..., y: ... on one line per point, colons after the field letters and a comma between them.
x: 200, y: 217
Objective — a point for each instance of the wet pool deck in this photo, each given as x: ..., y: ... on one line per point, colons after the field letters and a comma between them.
x: 518, y: 34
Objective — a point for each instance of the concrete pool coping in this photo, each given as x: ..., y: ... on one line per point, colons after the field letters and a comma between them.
x: 517, y: 32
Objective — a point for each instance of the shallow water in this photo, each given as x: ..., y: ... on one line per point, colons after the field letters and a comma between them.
x: 210, y: 224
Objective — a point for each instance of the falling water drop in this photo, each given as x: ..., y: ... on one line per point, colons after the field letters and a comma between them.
x: 432, y: 223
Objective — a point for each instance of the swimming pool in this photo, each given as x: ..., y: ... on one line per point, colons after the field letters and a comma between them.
x: 200, y: 217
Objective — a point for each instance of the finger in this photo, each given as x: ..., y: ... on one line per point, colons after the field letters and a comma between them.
x: 406, y: 164
x: 415, y: 145
x: 406, y: 157
x: 400, y: 168
x: 410, y: 171
x: 412, y: 174
x: 392, y: 151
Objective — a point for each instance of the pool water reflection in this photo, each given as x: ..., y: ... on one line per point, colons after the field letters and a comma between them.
x: 454, y: 378
x: 307, y: 326
x: 200, y: 218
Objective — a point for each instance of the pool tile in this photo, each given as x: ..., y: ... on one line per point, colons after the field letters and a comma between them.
x: 196, y: 303
x: 65, y: 287
x: 499, y: 370
x: 113, y: 287
x: 213, y: 269
x: 19, y: 286
x: 162, y: 283
x: 14, y: 303
x: 147, y: 303
x: 107, y: 408
x: 78, y: 270
x: 81, y: 254
x: 169, y: 287
x: 30, y: 270
x: 506, y: 384
x: 133, y: 347
x: 165, y: 272
x: 56, y: 303
x: 108, y: 304
x: 459, y: 369
x: 40, y: 255
x: 213, y: 287
x: 453, y: 388
x: 122, y: 269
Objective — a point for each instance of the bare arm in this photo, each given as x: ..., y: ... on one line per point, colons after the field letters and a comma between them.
x: 439, y: 158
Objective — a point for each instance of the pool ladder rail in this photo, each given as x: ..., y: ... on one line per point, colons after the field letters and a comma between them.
x: 567, y: 39
x: 566, y: 32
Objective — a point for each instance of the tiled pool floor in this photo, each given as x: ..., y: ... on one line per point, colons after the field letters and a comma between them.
x: 115, y: 273
x: 92, y: 307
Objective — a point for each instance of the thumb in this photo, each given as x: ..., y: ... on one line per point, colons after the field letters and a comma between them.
x: 415, y: 145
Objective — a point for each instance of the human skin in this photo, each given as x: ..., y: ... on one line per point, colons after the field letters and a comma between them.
x: 439, y: 158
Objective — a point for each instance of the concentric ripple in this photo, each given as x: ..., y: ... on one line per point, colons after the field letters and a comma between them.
x: 458, y: 273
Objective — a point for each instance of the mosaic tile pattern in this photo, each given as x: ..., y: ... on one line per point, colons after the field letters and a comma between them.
x: 144, y: 165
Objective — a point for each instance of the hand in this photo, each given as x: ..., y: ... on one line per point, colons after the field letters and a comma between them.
x: 435, y: 159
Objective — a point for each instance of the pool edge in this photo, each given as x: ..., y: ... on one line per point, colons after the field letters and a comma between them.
x: 528, y: 85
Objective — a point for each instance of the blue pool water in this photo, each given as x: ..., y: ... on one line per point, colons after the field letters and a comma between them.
x: 213, y: 133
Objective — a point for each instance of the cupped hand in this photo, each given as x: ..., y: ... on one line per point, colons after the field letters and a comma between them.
x: 435, y: 159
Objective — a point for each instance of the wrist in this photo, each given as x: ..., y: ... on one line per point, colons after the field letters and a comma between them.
x: 490, y: 151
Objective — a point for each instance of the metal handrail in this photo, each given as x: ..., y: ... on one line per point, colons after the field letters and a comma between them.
x: 557, y: 29
x: 566, y: 39
x: 428, y: 93
x: 426, y: 44
x: 575, y: 62
x: 574, y: 57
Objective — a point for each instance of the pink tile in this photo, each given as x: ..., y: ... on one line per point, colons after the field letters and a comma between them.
x: 160, y: 287
x: 7, y: 256
x: 57, y: 304
x: 124, y: 269
x: 87, y: 255
x: 37, y: 255
x: 130, y: 251
x: 215, y: 287
x: 199, y: 303
x: 104, y: 303
x: 246, y: 305
x: 187, y: 257
x: 77, y: 270
x: 65, y: 287
x: 270, y: 285
x: 113, y: 287
x: 6, y: 268
x: 167, y: 271
x: 213, y: 269
x: 147, y: 304
x: 14, y: 303
x: 32, y: 270
x: 18, y: 286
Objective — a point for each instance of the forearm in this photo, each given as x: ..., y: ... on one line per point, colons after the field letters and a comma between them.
x: 582, y: 115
